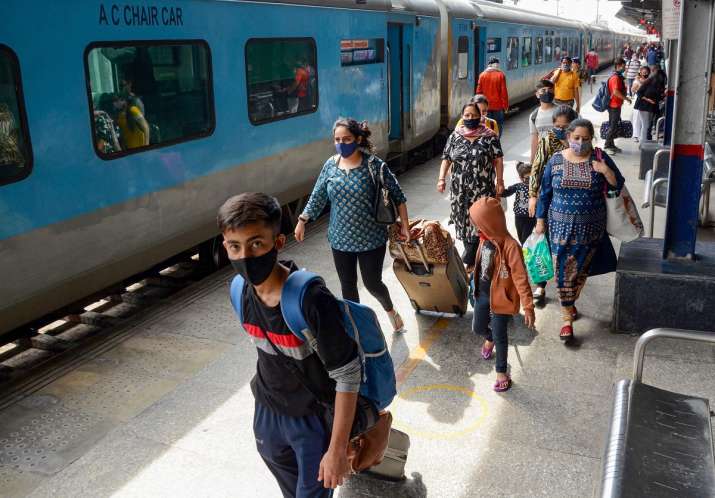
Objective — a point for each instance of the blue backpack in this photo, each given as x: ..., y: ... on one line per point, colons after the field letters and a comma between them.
x: 603, y: 97
x: 378, y: 373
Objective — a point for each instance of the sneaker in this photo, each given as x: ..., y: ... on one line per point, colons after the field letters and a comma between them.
x: 611, y: 150
x: 539, y: 297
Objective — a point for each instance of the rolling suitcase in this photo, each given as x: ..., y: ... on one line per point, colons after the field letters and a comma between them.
x: 392, y: 467
x: 434, y: 287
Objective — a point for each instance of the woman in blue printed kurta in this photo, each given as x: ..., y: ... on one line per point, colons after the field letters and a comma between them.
x: 354, y: 236
x: 572, y: 197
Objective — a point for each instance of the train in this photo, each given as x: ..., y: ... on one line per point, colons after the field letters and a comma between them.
x: 218, y: 97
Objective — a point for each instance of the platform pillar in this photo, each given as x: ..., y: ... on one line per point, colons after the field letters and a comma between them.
x: 686, y: 156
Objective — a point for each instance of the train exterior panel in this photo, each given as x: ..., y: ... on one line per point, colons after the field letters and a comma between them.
x: 231, y: 105
x: 82, y: 221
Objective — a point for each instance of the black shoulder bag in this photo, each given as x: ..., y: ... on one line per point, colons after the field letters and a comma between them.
x: 384, y: 209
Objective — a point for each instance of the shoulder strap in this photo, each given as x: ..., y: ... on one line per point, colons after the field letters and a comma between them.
x: 533, y: 115
x: 292, y: 295
x: 237, y: 286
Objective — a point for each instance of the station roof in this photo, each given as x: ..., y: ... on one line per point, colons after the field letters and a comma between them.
x: 632, y: 11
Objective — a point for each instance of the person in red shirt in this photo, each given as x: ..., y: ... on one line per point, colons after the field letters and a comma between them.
x: 298, y: 90
x: 591, y: 66
x: 617, y: 89
x: 492, y: 84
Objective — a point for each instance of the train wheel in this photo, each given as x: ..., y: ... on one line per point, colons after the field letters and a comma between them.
x: 212, y: 254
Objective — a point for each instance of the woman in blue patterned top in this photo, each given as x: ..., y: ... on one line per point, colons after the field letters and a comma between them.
x: 354, y: 236
x: 572, y: 196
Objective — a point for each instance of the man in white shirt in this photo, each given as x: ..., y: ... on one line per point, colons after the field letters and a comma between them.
x: 540, y: 120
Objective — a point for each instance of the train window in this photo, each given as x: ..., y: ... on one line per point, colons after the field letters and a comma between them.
x: 358, y: 52
x: 557, y: 49
x: 548, y: 49
x: 564, y: 47
x: 15, y: 151
x: 462, y: 57
x: 493, y: 45
x: 148, y: 94
x: 526, y: 51
x: 512, y: 52
x: 539, y: 51
x: 282, y: 78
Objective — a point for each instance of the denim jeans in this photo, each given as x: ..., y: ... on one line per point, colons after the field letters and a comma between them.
x: 497, y: 116
x: 498, y: 331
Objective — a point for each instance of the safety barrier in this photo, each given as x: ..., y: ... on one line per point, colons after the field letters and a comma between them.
x: 659, y: 442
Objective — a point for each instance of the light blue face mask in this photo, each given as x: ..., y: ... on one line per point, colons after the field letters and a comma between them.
x: 560, y: 133
x: 580, y: 148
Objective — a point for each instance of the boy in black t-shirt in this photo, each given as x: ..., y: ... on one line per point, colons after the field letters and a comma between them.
x: 291, y: 435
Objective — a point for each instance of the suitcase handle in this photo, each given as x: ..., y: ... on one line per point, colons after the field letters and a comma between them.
x: 421, y: 252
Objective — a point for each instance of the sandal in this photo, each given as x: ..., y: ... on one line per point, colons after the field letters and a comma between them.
x: 574, y: 314
x: 540, y: 298
x: 487, y: 352
x: 502, y: 385
x: 398, y: 326
x: 566, y: 333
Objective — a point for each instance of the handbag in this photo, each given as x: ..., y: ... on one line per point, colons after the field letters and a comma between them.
x: 622, y: 218
x: 384, y: 209
x: 370, y: 431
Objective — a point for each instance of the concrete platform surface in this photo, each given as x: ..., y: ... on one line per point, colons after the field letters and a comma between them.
x: 168, y: 413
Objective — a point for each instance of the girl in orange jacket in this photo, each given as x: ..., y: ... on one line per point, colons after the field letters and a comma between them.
x: 501, y: 285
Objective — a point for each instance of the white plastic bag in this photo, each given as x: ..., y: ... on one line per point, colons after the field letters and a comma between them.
x: 623, y: 221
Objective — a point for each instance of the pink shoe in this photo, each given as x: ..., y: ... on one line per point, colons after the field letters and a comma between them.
x: 487, y: 352
x: 503, y: 385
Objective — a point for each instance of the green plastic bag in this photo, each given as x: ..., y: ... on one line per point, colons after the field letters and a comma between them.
x: 537, y: 257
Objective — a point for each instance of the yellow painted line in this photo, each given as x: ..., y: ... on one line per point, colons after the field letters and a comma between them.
x: 412, y: 430
x: 418, y: 354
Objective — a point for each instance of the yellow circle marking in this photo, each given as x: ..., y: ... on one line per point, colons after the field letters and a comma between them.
x: 411, y: 430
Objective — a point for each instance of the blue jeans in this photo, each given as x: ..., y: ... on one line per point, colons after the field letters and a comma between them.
x: 498, y: 331
x: 292, y: 448
x: 497, y: 116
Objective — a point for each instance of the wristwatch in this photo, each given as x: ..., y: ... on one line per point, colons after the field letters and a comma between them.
x: 303, y: 218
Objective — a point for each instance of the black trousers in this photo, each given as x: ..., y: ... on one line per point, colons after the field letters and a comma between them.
x: 524, y: 227
x: 614, y: 119
x: 370, y: 262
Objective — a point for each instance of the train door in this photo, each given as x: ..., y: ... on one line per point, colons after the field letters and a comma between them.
x: 477, y: 55
x: 407, y: 76
x: 394, y: 80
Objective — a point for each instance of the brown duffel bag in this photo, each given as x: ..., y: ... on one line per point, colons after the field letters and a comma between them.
x: 435, y: 240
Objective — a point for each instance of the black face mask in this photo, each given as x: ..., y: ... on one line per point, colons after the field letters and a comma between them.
x: 546, y: 97
x: 472, y: 123
x: 256, y: 270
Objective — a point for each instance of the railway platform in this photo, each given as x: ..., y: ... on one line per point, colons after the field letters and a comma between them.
x: 166, y: 409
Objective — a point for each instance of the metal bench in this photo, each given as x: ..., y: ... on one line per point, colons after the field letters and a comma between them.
x: 656, y: 185
x: 659, y: 442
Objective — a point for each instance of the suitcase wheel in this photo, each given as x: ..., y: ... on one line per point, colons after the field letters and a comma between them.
x: 415, y: 305
x: 458, y: 311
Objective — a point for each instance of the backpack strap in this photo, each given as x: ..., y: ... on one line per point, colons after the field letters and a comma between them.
x: 237, y: 286
x: 292, y: 295
x: 532, y: 117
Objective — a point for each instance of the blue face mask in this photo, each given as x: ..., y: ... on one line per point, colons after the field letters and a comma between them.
x: 560, y: 133
x: 580, y: 148
x: 346, y: 150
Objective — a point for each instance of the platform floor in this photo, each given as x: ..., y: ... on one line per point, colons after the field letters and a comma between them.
x: 168, y: 412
